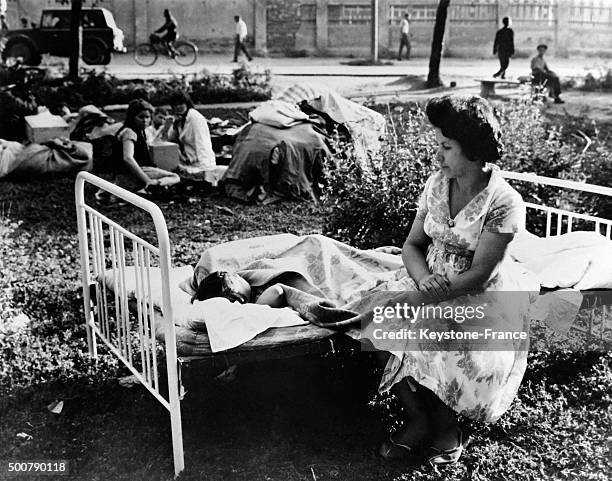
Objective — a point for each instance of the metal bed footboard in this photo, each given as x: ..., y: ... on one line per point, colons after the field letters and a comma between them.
x: 107, y: 247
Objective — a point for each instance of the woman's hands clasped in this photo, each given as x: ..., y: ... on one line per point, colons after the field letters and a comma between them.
x: 436, y: 286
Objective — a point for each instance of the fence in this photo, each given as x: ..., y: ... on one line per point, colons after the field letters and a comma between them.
x: 574, y: 25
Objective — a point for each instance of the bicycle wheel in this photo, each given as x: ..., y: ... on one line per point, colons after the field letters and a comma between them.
x: 145, y: 54
x: 186, y: 53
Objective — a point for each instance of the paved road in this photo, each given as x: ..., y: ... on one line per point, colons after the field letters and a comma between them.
x: 123, y: 65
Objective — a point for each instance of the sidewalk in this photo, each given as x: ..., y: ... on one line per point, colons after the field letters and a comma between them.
x: 450, y: 68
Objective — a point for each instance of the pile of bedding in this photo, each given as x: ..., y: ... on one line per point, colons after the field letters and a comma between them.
x: 58, y: 156
x: 280, y: 152
x: 366, y: 126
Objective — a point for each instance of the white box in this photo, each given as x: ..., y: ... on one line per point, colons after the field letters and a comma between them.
x: 165, y: 155
x: 43, y: 127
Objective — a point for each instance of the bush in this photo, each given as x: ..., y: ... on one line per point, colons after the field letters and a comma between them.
x: 375, y: 204
x: 598, y: 80
x: 102, y: 89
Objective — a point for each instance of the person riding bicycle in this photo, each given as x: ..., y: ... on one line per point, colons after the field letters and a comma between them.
x: 170, y: 27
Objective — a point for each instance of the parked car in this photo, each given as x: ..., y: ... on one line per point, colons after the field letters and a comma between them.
x: 101, y: 37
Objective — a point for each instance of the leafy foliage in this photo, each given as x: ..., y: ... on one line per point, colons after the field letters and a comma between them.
x: 373, y: 203
x: 599, y: 80
x: 101, y: 89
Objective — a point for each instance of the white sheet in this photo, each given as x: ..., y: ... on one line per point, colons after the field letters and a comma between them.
x: 582, y: 260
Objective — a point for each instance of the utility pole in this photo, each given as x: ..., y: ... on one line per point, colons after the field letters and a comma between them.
x: 374, y: 24
x: 75, y: 38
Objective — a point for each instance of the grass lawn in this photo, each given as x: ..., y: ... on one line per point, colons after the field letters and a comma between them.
x: 303, y: 419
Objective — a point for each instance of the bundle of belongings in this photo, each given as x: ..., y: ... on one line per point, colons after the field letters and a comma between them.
x: 366, y: 127
x: 281, y: 151
x: 57, y: 156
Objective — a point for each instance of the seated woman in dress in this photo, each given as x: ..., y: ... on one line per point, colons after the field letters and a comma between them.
x: 190, y: 130
x: 132, y: 163
x: 467, y: 215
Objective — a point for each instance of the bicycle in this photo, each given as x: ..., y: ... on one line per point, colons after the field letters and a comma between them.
x: 146, y: 54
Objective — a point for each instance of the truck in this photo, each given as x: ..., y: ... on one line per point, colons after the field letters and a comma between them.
x: 101, y: 37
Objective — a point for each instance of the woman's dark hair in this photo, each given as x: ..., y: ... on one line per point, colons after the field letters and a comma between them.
x: 469, y: 120
x: 135, y: 108
x: 181, y: 97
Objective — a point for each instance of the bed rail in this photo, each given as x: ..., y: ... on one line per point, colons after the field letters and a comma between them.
x: 558, y: 220
x: 106, y: 247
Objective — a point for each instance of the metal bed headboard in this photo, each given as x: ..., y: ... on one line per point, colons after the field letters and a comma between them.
x: 102, y: 244
x: 560, y: 218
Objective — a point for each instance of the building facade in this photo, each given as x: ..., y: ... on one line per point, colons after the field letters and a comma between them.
x: 342, y: 27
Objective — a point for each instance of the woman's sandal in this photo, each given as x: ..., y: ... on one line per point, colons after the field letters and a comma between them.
x: 443, y: 457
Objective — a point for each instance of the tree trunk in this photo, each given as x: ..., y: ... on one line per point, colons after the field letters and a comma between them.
x: 433, y: 79
x: 75, y: 38
x: 374, y: 32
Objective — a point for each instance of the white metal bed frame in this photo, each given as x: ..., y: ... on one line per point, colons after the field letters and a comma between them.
x: 136, y: 345
x: 98, y: 322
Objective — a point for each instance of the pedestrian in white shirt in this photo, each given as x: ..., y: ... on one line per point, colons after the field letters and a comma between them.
x: 241, y: 34
x: 405, y: 37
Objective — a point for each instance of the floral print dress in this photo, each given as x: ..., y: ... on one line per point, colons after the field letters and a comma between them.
x: 479, y: 384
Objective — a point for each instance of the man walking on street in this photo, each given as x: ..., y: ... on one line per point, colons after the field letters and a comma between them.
x: 504, y: 47
x: 241, y: 34
x: 405, y: 37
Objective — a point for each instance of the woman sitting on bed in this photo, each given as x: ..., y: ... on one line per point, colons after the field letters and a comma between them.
x: 132, y: 164
x: 190, y: 130
x: 467, y: 215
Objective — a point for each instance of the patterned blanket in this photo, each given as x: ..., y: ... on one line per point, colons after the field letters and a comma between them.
x: 327, y: 282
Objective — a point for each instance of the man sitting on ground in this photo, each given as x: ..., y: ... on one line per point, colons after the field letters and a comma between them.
x: 542, y: 75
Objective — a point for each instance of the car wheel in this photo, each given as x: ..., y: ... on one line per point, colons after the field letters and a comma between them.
x: 22, y: 49
x: 107, y: 57
x: 94, y: 52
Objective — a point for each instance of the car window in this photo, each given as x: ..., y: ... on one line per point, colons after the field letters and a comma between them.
x: 49, y: 20
x: 93, y: 19
x: 56, y: 19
